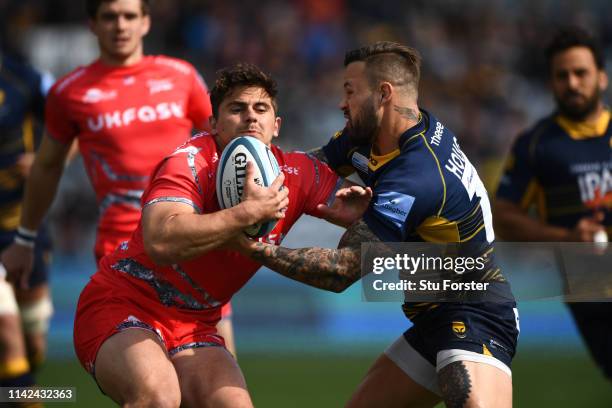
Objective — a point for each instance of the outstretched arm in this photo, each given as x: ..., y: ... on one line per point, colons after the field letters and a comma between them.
x: 329, y: 269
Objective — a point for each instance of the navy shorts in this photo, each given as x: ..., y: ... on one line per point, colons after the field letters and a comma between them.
x: 42, y: 255
x: 490, y: 329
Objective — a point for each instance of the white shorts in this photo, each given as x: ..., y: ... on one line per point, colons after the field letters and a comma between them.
x: 423, y: 372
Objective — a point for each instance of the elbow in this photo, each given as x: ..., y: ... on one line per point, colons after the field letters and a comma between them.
x: 158, y: 251
x: 342, y: 283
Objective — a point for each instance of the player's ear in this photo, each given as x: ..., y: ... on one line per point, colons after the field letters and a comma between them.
x: 603, y: 80
x: 277, y: 126
x: 386, y: 90
x: 213, y: 124
x: 146, y: 24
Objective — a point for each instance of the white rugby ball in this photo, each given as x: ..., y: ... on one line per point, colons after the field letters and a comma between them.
x: 231, y: 175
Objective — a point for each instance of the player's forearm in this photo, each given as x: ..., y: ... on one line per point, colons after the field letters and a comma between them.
x: 512, y: 224
x: 40, y: 190
x: 184, y: 236
x: 328, y: 269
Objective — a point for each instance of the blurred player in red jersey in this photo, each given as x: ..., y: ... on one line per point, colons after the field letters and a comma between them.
x: 127, y: 111
x: 171, y: 279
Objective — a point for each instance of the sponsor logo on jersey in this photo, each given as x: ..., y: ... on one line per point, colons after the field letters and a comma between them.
x: 290, y: 170
x: 394, y: 206
x: 459, y: 329
x: 437, y: 136
x: 145, y: 114
x: 159, y: 85
x: 129, y: 80
x: 95, y: 95
x: 360, y: 162
x: 596, y: 187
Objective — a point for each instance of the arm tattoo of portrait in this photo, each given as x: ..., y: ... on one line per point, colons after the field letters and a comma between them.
x: 407, y: 113
x: 318, y: 154
x: 455, y: 384
x: 329, y: 269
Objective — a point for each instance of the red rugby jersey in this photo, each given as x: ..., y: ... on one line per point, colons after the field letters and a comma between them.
x: 211, y: 279
x: 126, y: 119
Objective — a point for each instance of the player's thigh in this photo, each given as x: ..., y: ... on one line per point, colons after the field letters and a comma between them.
x: 387, y: 385
x: 210, y: 377
x: 469, y: 384
x: 132, y: 368
x: 225, y: 328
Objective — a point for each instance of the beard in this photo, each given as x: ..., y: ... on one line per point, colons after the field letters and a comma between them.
x: 578, y: 111
x: 364, y: 128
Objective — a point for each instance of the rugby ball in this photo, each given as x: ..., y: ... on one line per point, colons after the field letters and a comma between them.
x: 231, y: 175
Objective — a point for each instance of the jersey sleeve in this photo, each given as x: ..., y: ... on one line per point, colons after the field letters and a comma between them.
x: 338, y: 152
x: 200, y: 108
x: 178, y: 179
x: 319, y: 183
x: 57, y: 120
x: 518, y: 173
x: 402, y: 201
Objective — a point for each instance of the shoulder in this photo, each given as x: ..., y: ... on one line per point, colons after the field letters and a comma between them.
x: 541, y: 129
x: 176, y: 65
x: 69, y: 81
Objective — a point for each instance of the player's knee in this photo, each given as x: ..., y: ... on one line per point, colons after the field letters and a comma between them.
x: 35, y: 316
x: 153, y: 394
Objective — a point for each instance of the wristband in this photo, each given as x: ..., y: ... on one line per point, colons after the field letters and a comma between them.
x: 27, y: 233
x: 25, y: 237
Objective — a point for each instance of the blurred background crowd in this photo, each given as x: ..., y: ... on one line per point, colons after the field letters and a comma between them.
x: 484, y: 72
x: 484, y: 75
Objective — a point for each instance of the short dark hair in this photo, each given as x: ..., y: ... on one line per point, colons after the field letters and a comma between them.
x: 92, y: 6
x: 388, y: 61
x: 568, y: 37
x: 238, y: 76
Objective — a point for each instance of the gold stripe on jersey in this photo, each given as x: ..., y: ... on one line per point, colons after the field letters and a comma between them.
x: 376, y: 162
x: 438, y: 229
x: 9, y: 220
x: 28, y: 134
x: 584, y: 130
x: 10, y: 178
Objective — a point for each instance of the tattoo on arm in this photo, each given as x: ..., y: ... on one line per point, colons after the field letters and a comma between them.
x: 455, y: 384
x: 319, y: 154
x: 407, y: 113
x: 329, y: 269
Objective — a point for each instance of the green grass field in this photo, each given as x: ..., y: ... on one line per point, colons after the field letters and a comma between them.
x: 541, y: 379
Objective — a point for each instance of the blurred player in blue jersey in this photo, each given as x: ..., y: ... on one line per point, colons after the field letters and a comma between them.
x: 424, y: 190
x: 24, y: 311
x: 563, y: 165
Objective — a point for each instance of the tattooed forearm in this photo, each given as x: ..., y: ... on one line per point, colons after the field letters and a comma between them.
x: 319, y: 154
x: 329, y: 269
x: 455, y: 384
x: 407, y: 113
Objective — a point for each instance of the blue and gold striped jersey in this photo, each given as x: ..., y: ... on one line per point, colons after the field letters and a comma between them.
x: 563, y: 168
x: 22, y: 96
x: 425, y: 191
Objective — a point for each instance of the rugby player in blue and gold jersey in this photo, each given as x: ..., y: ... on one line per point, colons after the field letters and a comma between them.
x: 23, y: 324
x: 563, y: 165
x: 424, y: 190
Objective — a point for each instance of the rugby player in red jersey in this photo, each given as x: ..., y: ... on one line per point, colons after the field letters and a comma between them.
x: 127, y: 111
x: 172, y: 277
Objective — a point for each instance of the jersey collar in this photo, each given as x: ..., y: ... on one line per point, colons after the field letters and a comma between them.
x: 584, y: 130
